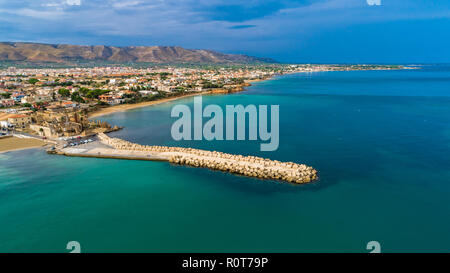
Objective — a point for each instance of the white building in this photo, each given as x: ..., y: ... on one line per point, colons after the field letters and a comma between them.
x: 5, y: 124
x: 148, y: 92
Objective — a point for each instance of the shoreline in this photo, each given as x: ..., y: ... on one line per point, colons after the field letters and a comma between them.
x: 217, y: 91
x: 21, y: 149
x: 126, y: 107
x: 12, y: 144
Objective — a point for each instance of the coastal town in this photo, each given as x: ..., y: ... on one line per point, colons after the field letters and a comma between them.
x: 60, y: 103
x: 53, y: 103
x: 58, y: 108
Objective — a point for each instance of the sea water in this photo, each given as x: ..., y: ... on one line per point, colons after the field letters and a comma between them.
x: 379, y: 139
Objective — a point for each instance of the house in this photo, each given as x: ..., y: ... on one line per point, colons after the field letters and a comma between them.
x: 7, y: 103
x: 69, y: 104
x: 19, y: 120
x: 42, y: 98
x: 5, y: 124
x: 111, y: 99
x: 17, y: 96
x: 27, y: 99
x: 164, y: 88
x: 106, y: 98
x: 148, y: 92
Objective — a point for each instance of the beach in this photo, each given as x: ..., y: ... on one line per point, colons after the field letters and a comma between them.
x: 8, y: 144
x: 126, y: 107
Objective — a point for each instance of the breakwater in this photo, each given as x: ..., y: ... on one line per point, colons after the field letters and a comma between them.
x: 251, y: 166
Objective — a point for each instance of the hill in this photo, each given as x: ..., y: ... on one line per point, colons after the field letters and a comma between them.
x: 35, y: 52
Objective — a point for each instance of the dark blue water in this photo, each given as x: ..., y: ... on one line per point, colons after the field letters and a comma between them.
x: 380, y: 140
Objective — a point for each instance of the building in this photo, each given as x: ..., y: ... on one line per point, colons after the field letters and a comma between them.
x: 7, y: 103
x: 148, y: 92
x: 163, y: 88
x: 17, y: 96
x: 69, y: 104
x: 111, y: 99
x: 5, y: 124
x: 106, y: 98
x: 36, y: 99
x: 19, y: 120
x: 43, y: 131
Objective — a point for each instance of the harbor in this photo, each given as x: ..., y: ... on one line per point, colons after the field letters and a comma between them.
x: 251, y: 166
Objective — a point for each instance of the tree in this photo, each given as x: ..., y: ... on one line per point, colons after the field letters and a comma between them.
x: 94, y: 94
x: 84, y: 90
x: 64, y: 92
x: 76, y: 97
x: 33, y: 81
x: 6, y: 95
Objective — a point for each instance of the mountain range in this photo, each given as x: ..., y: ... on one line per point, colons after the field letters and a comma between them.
x: 60, y: 53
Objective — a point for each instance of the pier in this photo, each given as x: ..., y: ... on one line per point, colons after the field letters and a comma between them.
x: 251, y: 166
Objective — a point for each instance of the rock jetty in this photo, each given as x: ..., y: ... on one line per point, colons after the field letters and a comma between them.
x: 251, y: 166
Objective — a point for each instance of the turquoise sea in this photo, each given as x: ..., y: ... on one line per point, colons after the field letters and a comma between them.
x: 379, y: 139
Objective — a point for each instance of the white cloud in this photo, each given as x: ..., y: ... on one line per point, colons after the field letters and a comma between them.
x: 38, y: 14
x: 73, y: 2
x: 125, y: 4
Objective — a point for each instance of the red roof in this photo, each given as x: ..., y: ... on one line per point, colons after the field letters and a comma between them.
x: 18, y: 116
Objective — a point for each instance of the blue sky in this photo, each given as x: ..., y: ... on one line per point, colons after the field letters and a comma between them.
x: 327, y: 31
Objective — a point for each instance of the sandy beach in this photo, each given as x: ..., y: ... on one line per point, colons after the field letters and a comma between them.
x: 14, y: 144
x: 126, y: 107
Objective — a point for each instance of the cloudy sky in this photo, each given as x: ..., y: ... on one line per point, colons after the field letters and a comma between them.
x: 286, y: 30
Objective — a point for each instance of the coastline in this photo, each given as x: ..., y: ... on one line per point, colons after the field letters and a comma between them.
x: 217, y: 91
x: 126, y: 107
x: 12, y: 144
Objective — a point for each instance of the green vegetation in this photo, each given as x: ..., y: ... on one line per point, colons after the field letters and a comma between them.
x: 237, y: 80
x: 208, y: 84
x: 164, y: 75
x: 5, y: 95
x: 94, y: 94
x: 64, y: 92
x: 76, y: 97
x: 179, y: 89
x: 33, y: 81
x: 84, y: 90
x: 89, y: 82
x: 54, y: 84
